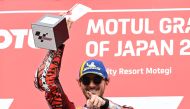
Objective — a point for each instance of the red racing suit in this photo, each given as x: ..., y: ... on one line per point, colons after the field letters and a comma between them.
x: 47, y: 79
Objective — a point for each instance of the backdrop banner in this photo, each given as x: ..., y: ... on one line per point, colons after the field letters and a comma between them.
x: 145, y: 46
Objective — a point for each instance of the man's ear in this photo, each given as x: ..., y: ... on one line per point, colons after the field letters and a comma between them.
x: 79, y: 83
x: 107, y: 81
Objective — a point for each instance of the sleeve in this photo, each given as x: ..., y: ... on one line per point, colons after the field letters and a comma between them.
x: 47, y: 79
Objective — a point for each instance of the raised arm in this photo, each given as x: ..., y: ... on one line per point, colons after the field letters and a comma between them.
x: 47, y: 79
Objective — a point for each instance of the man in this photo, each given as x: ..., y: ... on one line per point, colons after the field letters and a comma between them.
x: 93, y: 80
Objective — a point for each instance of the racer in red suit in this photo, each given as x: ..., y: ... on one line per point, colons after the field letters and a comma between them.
x: 93, y: 79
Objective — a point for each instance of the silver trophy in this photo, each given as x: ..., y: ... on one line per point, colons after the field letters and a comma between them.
x: 50, y: 32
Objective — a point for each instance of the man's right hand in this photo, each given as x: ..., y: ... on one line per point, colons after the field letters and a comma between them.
x: 94, y: 101
x: 69, y: 22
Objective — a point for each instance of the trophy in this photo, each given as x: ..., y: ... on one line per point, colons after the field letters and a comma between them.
x: 50, y: 31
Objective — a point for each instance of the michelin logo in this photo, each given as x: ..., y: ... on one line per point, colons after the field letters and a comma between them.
x: 91, y: 66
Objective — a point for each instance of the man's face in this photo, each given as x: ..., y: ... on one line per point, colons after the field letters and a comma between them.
x: 92, y: 83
